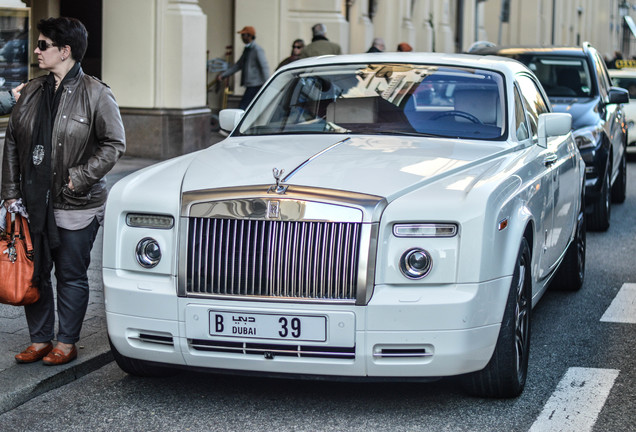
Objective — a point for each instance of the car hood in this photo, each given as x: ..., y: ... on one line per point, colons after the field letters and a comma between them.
x: 584, y: 111
x: 386, y: 166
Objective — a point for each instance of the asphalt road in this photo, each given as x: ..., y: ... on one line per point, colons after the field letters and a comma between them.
x: 569, y: 341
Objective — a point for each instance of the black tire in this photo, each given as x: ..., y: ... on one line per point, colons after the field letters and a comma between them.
x: 505, y: 374
x: 571, y: 274
x: 599, y: 219
x: 139, y: 368
x: 619, y: 189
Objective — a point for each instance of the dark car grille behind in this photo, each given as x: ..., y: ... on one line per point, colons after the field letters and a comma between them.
x: 286, y: 259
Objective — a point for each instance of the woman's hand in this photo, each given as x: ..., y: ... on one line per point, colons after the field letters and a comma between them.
x: 16, y: 91
x: 8, y: 203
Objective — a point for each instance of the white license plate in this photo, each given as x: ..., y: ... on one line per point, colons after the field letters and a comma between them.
x: 268, y: 326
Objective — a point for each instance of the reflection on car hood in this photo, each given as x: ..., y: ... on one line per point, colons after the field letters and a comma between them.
x: 583, y: 110
x: 377, y: 165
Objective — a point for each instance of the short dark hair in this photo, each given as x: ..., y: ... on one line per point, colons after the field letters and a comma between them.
x: 66, y: 31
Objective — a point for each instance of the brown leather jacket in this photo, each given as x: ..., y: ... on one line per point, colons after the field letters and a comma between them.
x: 88, y: 139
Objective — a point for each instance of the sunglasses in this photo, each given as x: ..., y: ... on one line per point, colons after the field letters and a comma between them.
x: 297, y: 47
x: 44, y: 45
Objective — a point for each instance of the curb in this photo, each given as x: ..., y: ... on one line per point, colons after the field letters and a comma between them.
x: 23, y: 382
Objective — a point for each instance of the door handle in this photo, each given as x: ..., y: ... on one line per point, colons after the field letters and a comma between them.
x: 550, y: 159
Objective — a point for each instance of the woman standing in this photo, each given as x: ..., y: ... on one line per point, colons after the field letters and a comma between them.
x: 64, y: 135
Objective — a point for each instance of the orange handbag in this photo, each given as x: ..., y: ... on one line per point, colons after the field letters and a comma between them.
x: 16, y: 264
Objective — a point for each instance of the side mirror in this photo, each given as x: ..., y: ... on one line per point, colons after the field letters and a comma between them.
x: 553, y: 124
x: 229, y: 118
x: 618, y: 95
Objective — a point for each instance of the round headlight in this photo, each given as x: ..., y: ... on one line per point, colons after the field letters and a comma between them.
x: 148, y: 252
x: 416, y: 263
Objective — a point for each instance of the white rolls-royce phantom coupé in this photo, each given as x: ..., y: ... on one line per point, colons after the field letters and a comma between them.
x: 386, y: 215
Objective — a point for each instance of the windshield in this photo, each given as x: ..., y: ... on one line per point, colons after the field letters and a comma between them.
x: 381, y: 99
x: 560, y: 76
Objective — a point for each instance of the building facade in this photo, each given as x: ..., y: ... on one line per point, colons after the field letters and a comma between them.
x: 154, y: 53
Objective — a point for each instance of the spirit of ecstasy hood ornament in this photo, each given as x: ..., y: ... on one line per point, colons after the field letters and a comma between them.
x: 278, y: 188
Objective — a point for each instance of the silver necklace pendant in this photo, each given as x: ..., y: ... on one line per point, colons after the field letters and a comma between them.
x: 38, y: 154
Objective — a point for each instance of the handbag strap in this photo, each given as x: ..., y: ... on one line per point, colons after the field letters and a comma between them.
x: 8, y: 224
x: 22, y: 228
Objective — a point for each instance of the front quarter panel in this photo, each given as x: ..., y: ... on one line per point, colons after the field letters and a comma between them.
x: 509, y: 188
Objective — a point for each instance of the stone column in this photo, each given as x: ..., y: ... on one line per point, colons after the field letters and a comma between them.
x: 423, y: 20
x: 444, y: 35
x: 154, y: 59
x: 303, y: 14
x: 360, y: 26
x: 407, y: 30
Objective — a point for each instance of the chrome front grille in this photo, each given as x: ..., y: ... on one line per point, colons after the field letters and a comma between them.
x: 272, y: 258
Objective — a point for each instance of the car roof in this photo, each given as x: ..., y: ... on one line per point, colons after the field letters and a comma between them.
x: 543, y: 50
x: 452, y: 60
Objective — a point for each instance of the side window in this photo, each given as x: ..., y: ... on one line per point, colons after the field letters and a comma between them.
x: 520, y: 119
x: 533, y: 100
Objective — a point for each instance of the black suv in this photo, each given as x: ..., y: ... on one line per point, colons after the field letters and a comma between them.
x: 576, y: 81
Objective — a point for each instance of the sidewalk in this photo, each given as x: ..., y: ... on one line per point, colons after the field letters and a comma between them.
x: 22, y: 382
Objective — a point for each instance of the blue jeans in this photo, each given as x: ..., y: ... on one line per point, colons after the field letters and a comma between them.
x: 71, y: 260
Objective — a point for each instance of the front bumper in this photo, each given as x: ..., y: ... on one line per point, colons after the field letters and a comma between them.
x: 426, y: 331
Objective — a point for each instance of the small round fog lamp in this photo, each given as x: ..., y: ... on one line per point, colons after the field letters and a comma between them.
x: 416, y: 263
x: 148, y: 253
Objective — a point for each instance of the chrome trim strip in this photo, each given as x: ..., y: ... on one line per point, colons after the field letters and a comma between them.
x: 260, y: 351
x: 182, y: 257
x: 366, y: 263
x: 259, y: 298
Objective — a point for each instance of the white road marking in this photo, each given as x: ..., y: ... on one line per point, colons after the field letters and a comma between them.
x: 623, y: 307
x: 578, y: 399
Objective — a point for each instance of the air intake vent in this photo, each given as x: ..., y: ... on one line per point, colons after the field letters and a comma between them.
x: 161, y: 339
x: 403, y: 352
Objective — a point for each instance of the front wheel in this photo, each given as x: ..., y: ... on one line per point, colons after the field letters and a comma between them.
x: 619, y: 189
x: 599, y: 219
x: 571, y: 274
x: 505, y: 374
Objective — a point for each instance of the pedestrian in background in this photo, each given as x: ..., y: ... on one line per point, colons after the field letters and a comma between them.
x: 252, y: 64
x: 297, y: 48
x: 9, y: 98
x: 64, y: 135
x: 377, y: 45
x: 404, y: 47
x: 320, y: 45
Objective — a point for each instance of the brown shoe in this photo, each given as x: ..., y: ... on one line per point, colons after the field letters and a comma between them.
x: 57, y: 357
x: 31, y: 354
